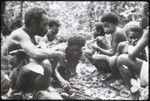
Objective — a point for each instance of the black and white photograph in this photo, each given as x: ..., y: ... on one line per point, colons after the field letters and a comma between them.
x: 74, y: 50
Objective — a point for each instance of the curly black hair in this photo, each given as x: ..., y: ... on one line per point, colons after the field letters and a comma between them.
x: 76, y: 40
x: 33, y: 14
x: 53, y: 22
x: 110, y: 17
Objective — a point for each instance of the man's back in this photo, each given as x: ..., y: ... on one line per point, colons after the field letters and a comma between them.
x: 12, y: 42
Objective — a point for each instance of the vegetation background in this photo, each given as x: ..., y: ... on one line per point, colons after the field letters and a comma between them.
x: 78, y: 17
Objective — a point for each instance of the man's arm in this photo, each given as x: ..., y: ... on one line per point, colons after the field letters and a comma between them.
x: 104, y: 51
x: 117, y: 38
x: 63, y: 82
x: 141, y: 44
x: 34, y: 52
x: 121, y: 45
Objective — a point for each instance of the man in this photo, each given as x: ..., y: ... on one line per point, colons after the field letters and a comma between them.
x: 130, y: 61
x: 113, y: 36
x: 113, y: 33
x: 35, y: 23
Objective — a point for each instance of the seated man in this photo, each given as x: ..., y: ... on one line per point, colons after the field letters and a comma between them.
x: 113, y: 33
x: 130, y: 64
x: 53, y: 29
x: 35, y: 23
x: 113, y: 37
x: 63, y: 66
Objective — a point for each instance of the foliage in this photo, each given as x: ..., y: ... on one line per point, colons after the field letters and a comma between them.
x: 80, y: 18
x: 75, y: 17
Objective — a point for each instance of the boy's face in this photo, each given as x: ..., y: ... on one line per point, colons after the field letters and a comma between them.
x: 133, y: 37
x: 50, y: 36
x: 53, y: 31
x: 109, y: 27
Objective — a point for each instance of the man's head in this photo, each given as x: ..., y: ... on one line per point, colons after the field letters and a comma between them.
x: 145, y: 12
x: 110, y: 21
x: 73, y: 49
x: 53, y: 29
x: 36, y: 20
x: 133, y: 32
x: 99, y: 30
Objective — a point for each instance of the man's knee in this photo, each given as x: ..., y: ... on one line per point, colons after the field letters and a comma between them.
x: 47, y: 65
x: 122, y: 59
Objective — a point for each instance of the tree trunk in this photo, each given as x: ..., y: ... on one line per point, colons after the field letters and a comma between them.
x: 21, y: 9
x: 91, y: 15
x: 2, y: 9
x: 4, y: 27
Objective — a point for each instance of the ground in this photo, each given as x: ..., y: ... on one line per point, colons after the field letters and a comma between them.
x: 91, y: 84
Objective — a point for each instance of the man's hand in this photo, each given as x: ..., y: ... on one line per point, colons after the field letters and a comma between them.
x: 65, y: 84
x: 60, y: 55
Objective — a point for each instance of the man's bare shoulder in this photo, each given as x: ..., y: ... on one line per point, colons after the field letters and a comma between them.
x: 120, y: 31
x: 123, y: 44
x: 19, y: 34
x: 61, y: 54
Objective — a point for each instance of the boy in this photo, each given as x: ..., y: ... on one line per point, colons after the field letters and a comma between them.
x: 99, y: 35
x: 53, y: 29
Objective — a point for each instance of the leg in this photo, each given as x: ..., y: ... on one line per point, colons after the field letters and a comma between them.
x: 47, y: 95
x: 100, y: 61
x: 13, y: 77
x: 28, y: 80
x: 113, y: 66
x: 101, y: 42
x: 5, y: 83
x: 43, y: 81
x: 127, y: 68
x: 25, y: 79
x: 144, y: 75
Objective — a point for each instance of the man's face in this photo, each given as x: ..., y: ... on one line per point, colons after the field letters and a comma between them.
x: 75, y: 51
x: 54, y: 29
x: 133, y: 37
x: 43, y: 26
x: 109, y: 27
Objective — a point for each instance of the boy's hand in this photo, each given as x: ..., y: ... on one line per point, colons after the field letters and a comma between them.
x: 95, y: 47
